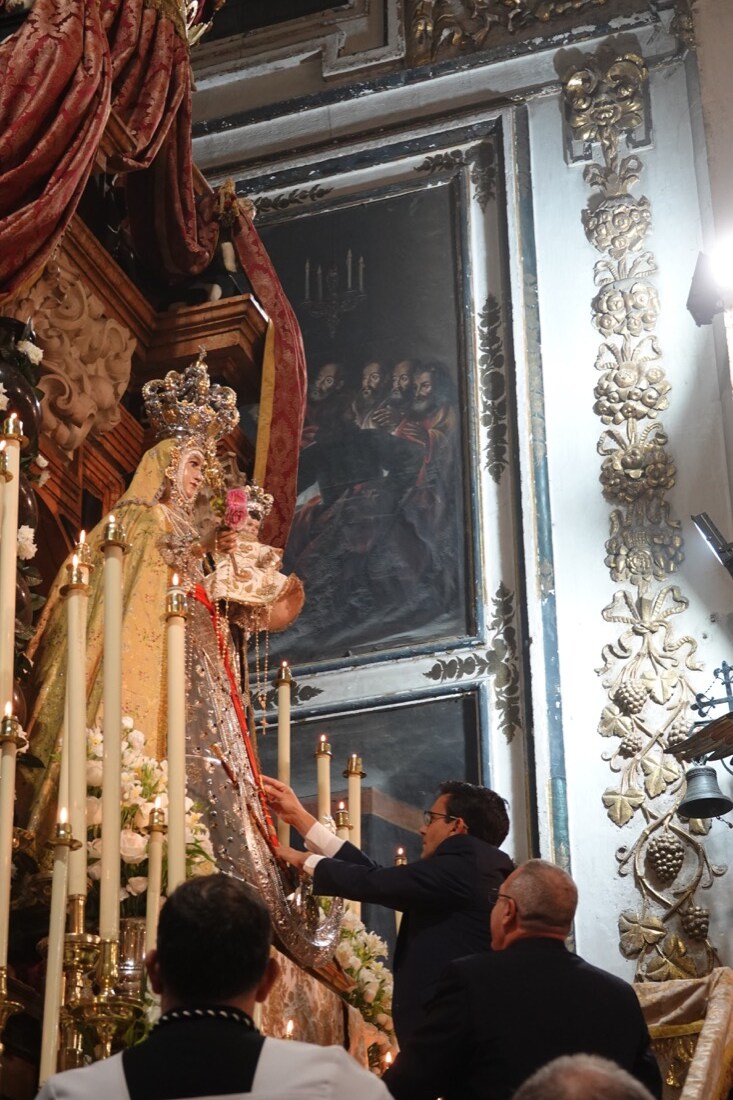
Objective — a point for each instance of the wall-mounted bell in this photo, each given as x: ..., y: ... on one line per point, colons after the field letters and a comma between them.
x: 704, y: 797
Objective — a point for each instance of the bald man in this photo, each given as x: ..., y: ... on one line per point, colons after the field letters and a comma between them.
x: 499, y: 1017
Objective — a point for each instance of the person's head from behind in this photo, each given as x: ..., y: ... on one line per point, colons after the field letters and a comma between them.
x: 582, y: 1077
x: 213, y: 946
x: 538, y: 899
x: 464, y: 808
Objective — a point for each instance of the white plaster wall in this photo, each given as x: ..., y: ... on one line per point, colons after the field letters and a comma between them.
x: 694, y: 423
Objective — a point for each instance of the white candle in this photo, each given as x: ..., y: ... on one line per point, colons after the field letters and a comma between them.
x: 12, y: 433
x: 55, y: 956
x: 342, y: 822
x: 76, y: 593
x: 323, y: 775
x: 155, y: 875
x: 4, y: 476
x: 176, y: 637
x: 284, y: 683
x: 354, y: 776
x: 400, y: 860
x: 289, y: 1028
x: 11, y: 737
x: 113, y: 547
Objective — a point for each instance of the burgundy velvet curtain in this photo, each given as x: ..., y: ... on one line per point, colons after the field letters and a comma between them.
x: 55, y: 80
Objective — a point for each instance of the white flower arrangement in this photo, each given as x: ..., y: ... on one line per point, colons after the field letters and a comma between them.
x: 26, y: 542
x: 144, y: 779
x: 359, y: 952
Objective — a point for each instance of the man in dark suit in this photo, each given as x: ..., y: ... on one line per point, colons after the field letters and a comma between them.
x: 497, y: 1018
x: 211, y: 965
x: 445, y: 896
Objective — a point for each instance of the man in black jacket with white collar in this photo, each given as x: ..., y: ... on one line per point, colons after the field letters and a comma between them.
x: 445, y: 896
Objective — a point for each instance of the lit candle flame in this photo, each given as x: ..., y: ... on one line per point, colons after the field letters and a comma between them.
x: 82, y: 537
x: 289, y: 1029
x: 285, y: 664
x: 174, y: 581
x: 63, y: 815
x: 8, y: 710
x: 2, y: 445
x: 400, y: 851
x: 157, y: 802
x: 342, y: 805
x: 388, y: 1058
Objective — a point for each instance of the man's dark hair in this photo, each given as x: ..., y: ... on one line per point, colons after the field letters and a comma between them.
x: 483, y: 810
x: 214, y: 938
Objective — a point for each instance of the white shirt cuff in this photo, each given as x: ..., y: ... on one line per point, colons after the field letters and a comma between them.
x: 322, y: 841
x: 310, y: 863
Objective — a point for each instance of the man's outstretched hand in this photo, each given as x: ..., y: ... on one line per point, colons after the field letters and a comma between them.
x: 286, y: 804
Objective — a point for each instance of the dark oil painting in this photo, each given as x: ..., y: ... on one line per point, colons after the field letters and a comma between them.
x: 378, y: 537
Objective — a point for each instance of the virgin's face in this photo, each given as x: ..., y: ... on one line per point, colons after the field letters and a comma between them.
x: 192, y: 475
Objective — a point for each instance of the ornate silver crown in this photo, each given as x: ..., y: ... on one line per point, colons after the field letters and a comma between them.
x: 188, y: 404
x: 259, y: 503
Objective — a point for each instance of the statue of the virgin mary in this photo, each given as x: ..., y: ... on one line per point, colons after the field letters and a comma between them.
x: 222, y: 773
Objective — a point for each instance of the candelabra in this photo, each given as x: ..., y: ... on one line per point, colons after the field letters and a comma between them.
x: 330, y: 303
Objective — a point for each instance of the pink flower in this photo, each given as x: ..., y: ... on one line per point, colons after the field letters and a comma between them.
x: 236, y: 509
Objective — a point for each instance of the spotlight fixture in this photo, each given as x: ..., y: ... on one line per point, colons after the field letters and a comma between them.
x: 723, y: 550
x: 706, y: 297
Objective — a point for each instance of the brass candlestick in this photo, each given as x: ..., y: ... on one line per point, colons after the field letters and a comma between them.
x: 83, y: 553
x: 80, y: 955
x: 11, y: 731
x: 107, y: 1015
x: 342, y: 819
x: 176, y: 604
x: 323, y: 748
x: 353, y: 767
x: 78, y: 578
x: 114, y: 535
x: 284, y: 675
x: 13, y: 429
x: 8, y: 1007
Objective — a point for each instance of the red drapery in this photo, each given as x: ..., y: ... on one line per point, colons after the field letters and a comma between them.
x: 55, y: 80
x: 72, y: 62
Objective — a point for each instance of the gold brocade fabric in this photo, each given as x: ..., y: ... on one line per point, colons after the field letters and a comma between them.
x: 691, y: 1025
x: 318, y: 1013
x: 145, y: 579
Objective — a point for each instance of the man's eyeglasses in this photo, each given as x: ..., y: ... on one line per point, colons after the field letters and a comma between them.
x: 494, y: 896
x: 429, y: 816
